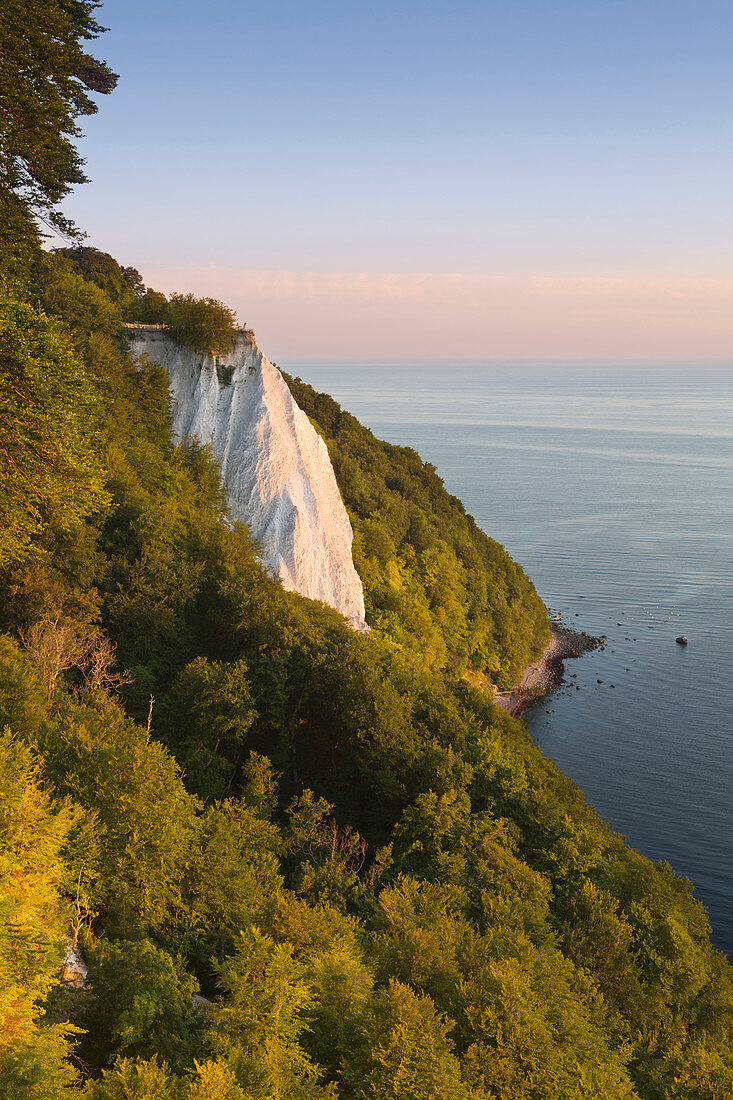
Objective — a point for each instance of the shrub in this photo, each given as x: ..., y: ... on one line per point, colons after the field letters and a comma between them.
x: 204, y: 324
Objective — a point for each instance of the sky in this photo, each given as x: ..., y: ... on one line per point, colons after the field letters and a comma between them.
x: 531, y: 179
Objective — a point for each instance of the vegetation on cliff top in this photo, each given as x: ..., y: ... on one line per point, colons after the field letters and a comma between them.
x: 204, y: 324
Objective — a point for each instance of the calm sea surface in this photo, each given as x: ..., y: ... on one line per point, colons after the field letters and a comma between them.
x: 614, y: 489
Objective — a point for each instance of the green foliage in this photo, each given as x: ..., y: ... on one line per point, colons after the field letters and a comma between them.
x: 140, y: 1003
x: 147, y: 820
x: 45, y: 77
x: 432, y: 579
x: 38, y: 1068
x: 150, y: 308
x: 402, y: 1051
x: 119, y: 284
x: 231, y: 882
x: 260, y: 1023
x: 23, y: 700
x: 32, y: 1054
x: 149, y: 1080
x: 160, y: 543
x: 207, y: 717
x: 135, y: 1080
x: 342, y: 985
x: 214, y: 1081
x: 204, y: 324
x: 19, y: 241
x: 82, y: 304
x: 48, y: 473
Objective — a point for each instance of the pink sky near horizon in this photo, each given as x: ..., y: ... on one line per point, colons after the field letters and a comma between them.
x: 306, y: 315
x: 480, y: 180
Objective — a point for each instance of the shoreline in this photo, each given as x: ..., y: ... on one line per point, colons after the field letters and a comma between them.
x: 544, y: 676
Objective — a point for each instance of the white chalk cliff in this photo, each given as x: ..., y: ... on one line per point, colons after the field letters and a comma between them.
x: 276, y: 470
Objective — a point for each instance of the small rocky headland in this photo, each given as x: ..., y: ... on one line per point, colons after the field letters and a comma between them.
x: 547, y: 674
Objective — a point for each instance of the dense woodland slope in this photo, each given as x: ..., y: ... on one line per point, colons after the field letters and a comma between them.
x: 382, y: 886
x: 432, y: 579
x: 214, y: 787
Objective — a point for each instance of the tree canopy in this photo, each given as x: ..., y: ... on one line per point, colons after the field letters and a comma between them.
x: 46, y: 76
x: 48, y: 408
x: 204, y: 324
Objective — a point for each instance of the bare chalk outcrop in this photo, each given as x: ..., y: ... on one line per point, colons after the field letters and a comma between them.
x: 276, y: 470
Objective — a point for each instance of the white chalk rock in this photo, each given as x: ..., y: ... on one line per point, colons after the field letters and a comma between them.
x: 276, y: 470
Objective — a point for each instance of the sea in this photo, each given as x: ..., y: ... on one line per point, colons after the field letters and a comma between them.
x: 613, y: 487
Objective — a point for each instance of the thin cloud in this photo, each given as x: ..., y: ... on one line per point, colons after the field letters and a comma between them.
x: 394, y: 313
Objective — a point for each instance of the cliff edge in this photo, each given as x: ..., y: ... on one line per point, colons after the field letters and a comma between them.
x: 276, y: 470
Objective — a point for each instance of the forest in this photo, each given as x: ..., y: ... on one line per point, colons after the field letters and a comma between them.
x: 297, y: 861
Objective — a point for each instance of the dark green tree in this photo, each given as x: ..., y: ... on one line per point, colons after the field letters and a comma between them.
x: 46, y: 76
x: 261, y: 1021
x: 120, y: 284
x: 150, y: 308
x: 141, y: 1004
x: 204, y: 324
x: 207, y: 719
x: 48, y: 468
x: 402, y: 1051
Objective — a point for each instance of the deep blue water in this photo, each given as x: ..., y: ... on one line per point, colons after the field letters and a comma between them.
x: 614, y: 490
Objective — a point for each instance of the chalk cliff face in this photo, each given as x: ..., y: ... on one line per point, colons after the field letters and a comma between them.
x: 277, y: 474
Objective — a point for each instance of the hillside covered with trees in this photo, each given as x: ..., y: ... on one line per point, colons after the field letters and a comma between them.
x: 433, y: 581
x: 299, y: 862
